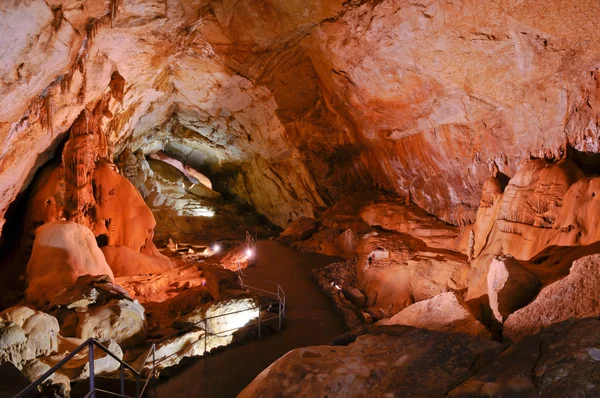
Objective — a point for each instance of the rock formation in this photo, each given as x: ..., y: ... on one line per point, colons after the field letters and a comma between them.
x: 62, y: 252
x: 445, y: 312
x: 388, y: 360
x: 26, y: 334
x: 87, y: 189
x: 575, y: 296
x: 510, y: 286
x: 292, y: 104
x: 367, y: 129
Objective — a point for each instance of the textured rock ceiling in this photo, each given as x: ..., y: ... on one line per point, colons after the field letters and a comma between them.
x: 289, y: 104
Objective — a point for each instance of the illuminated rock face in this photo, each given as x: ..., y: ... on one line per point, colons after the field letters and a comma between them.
x: 62, y: 252
x: 120, y: 320
x: 26, y: 334
x: 87, y: 189
x: 546, y: 217
x: 575, y: 296
x: 510, y: 286
x: 296, y: 105
x: 445, y: 312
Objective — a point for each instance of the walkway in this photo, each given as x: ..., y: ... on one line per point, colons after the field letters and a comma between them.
x: 310, y: 320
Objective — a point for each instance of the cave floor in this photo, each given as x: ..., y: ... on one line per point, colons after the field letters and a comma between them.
x: 310, y: 320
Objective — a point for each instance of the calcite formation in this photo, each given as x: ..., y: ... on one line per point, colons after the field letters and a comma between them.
x: 62, y: 252
x: 417, y: 99
x: 448, y: 150
x: 87, y: 189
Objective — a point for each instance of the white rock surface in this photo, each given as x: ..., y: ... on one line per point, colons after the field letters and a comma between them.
x: 26, y: 334
x: 62, y: 252
x: 120, y: 320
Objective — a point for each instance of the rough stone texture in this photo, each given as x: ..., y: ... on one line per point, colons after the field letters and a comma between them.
x: 87, y: 189
x: 220, y: 281
x: 78, y: 367
x: 575, y: 296
x: 86, y: 291
x: 445, y: 312
x: 395, y: 271
x: 41, y: 330
x: 13, y: 343
x: 26, y: 334
x: 562, y: 360
x: 546, y: 218
x: 510, y: 286
x: 300, y: 229
x: 191, y: 344
x: 279, y: 96
x: 62, y: 252
x: 331, y: 279
x: 120, y: 320
x: 35, y: 368
x: 390, y: 360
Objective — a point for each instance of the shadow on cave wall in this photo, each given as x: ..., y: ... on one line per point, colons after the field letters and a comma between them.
x: 588, y: 162
x: 16, y: 243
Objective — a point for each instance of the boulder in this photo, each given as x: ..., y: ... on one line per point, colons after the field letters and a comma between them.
x: 13, y: 344
x: 219, y: 281
x: 445, y: 312
x: 120, y: 320
x: 384, y: 361
x: 355, y: 296
x: 26, y: 334
x: 88, y: 290
x: 575, y: 296
x: 172, y: 350
x: 78, y: 367
x: 62, y: 252
x: 58, y: 383
x: 510, y: 286
x: 302, y: 228
x: 561, y: 361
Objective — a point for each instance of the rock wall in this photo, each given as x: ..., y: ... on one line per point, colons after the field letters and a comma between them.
x: 308, y: 101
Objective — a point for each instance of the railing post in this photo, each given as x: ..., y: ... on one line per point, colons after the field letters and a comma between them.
x: 91, y: 369
x: 122, y: 380
x: 259, y: 322
x: 137, y: 386
x: 205, y: 335
x: 279, y: 314
x: 154, y: 361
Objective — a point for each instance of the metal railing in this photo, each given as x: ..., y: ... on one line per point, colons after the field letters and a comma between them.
x: 277, y: 294
x: 89, y: 344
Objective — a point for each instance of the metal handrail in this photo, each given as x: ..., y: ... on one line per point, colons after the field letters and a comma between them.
x: 91, y: 342
x: 280, y: 315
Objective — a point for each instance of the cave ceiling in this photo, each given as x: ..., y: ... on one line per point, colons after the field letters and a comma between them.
x: 295, y: 103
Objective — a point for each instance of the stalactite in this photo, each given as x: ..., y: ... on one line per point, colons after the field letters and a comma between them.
x: 114, y: 9
x: 42, y: 107
x: 87, y: 144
